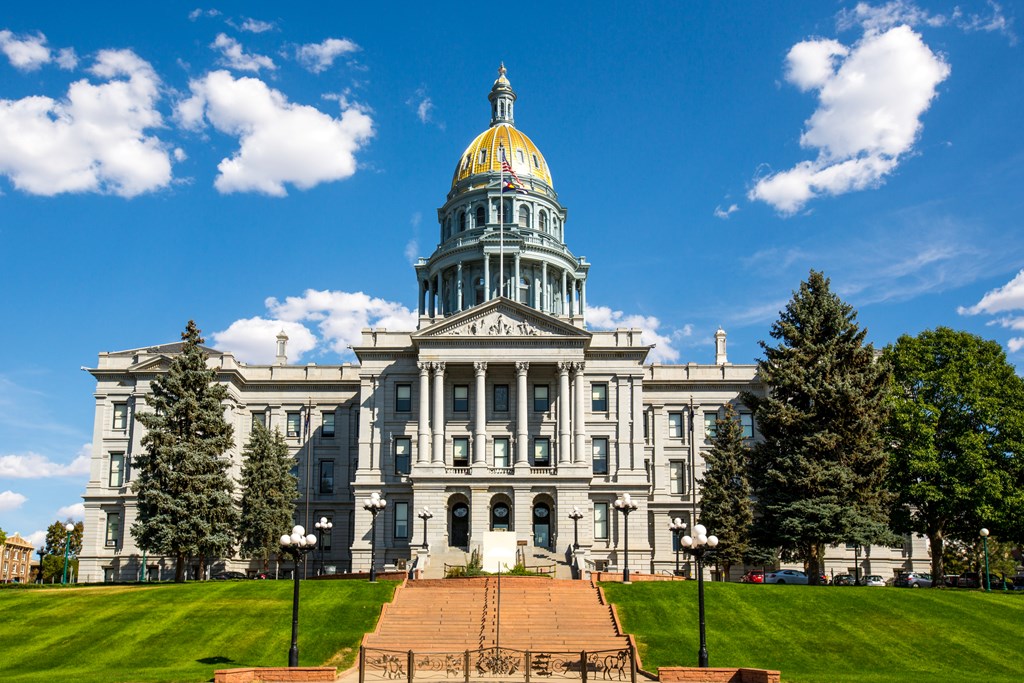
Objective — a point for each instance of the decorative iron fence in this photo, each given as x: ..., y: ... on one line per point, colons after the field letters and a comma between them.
x: 493, y: 664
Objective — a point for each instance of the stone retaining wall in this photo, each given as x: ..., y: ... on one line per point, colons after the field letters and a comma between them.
x: 283, y: 674
x: 689, y: 674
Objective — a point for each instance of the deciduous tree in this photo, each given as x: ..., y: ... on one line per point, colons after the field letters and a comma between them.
x: 185, y: 506
x: 269, y: 491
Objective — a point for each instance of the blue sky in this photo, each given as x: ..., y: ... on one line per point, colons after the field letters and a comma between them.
x: 256, y: 167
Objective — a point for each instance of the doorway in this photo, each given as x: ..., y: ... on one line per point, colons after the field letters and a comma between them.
x: 500, y: 517
x: 460, y: 525
x: 542, y: 525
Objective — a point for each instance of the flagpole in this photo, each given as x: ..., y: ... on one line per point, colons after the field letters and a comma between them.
x: 501, y: 224
x: 309, y: 473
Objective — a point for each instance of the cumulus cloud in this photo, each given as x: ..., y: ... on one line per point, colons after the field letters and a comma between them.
x: 279, y: 141
x: 1009, y: 297
x: 254, y: 340
x: 66, y: 58
x: 25, y: 52
x: 75, y: 511
x: 871, y: 97
x: 234, y: 57
x: 256, y: 26
x: 1015, y: 344
x: 35, y: 466
x: 725, y: 213
x: 94, y: 140
x: 37, y: 538
x: 9, y: 500
x: 604, y: 318
x: 318, y: 57
x: 885, y: 16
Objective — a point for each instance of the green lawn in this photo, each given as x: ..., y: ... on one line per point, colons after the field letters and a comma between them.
x: 179, y: 632
x: 830, y: 634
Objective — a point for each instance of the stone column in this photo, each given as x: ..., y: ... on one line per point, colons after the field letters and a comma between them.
x: 522, y: 440
x: 487, y: 277
x: 542, y: 291
x: 579, y: 418
x: 440, y: 294
x: 431, y: 298
x: 438, y: 424
x: 480, y: 422
x: 564, y: 440
x: 423, y: 428
x: 514, y: 294
x: 573, y: 308
x: 422, y: 297
x: 563, y: 293
x: 458, y: 287
x: 636, y: 387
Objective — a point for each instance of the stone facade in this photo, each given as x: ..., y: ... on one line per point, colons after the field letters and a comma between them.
x: 15, y: 560
x: 501, y: 411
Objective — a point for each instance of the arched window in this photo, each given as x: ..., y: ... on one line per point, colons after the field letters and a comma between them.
x: 524, y: 217
x: 462, y: 221
x: 481, y: 218
x: 542, y: 221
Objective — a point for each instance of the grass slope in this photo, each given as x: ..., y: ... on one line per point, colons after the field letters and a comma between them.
x: 830, y: 634
x: 179, y: 632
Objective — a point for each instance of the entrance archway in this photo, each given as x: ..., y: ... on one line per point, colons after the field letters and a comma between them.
x: 542, y: 525
x: 460, y: 525
x: 500, y: 517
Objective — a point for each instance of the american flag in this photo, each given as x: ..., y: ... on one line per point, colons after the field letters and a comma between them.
x: 507, y: 168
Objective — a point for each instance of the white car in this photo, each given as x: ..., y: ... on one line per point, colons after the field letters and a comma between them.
x: 786, y: 576
x: 873, y: 580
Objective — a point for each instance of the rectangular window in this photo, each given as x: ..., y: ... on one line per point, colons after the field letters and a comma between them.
x: 113, y: 529
x: 599, y: 398
x: 540, y: 398
x: 460, y: 452
x: 327, y: 476
x: 120, y: 416
x: 541, y: 453
x: 401, y: 520
x: 327, y: 426
x: 403, y: 398
x: 259, y: 418
x: 711, y: 424
x: 600, y: 447
x: 403, y: 450
x: 293, y: 424
x: 460, y: 398
x: 677, y: 477
x: 747, y: 423
x: 501, y: 452
x: 501, y: 398
x: 116, y: 479
x: 675, y: 425
x: 601, y: 520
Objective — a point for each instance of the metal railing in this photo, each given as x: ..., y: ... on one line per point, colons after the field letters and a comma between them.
x: 494, y: 663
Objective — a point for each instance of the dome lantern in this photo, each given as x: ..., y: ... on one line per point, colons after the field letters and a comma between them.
x: 502, y: 98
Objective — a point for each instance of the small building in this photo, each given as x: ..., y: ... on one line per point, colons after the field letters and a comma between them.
x: 17, y: 560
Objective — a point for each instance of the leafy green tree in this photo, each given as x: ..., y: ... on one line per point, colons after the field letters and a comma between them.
x: 269, y: 491
x: 725, y: 505
x: 955, y: 430
x: 52, y: 562
x: 819, y: 473
x: 3, y: 536
x: 184, y: 491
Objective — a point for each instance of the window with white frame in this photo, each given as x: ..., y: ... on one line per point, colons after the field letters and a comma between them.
x: 403, y: 398
x: 677, y: 477
x: 541, y: 404
x: 113, y: 534
x: 327, y: 426
x: 598, y: 397
x: 600, y: 450
x: 116, y: 478
x: 120, y: 416
x: 294, y: 423
x: 501, y: 452
x: 460, y: 398
x: 403, y: 451
x: 675, y: 425
x: 711, y: 424
x: 401, y: 520
x: 542, y: 452
x: 460, y: 452
x: 601, y: 521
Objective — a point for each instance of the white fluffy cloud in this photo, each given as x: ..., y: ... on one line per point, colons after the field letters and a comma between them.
x: 9, y: 500
x: 94, y: 140
x: 604, y: 318
x: 279, y: 141
x: 35, y: 466
x: 871, y: 97
x: 254, y: 340
x: 318, y: 57
x: 25, y: 52
x: 1006, y: 299
x: 726, y: 212
x: 340, y: 318
x: 234, y: 57
x: 37, y: 538
x: 256, y: 26
x: 74, y: 511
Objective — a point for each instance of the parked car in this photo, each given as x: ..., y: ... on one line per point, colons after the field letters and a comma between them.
x: 950, y: 580
x: 753, y: 576
x: 913, y: 580
x: 786, y: 576
x: 843, y: 580
x: 1018, y: 583
x: 968, y: 580
x: 872, y: 580
x: 227, y: 576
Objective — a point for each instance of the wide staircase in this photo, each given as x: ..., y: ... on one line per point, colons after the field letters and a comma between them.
x: 535, y: 614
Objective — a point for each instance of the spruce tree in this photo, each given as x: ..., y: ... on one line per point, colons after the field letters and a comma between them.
x: 725, y: 505
x: 819, y: 473
x: 269, y: 491
x: 185, y: 503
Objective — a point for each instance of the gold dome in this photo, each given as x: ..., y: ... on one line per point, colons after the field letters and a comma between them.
x: 483, y: 156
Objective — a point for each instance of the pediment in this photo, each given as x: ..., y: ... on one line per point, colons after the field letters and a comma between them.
x: 501, y: 318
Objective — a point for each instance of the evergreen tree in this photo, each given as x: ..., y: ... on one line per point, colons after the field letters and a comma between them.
x: 957, y: 435
x: 269, y: 491
x: 725, y: 505
x: 819, y: 473
x: 184, y: 492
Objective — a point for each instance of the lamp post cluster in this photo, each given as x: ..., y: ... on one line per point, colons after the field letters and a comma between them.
x: 698, y: 546
x: 625, y: 505
x: 575, y: 516
x: 374, y: 505
x: 425, y: 514
x: 324, y: 526
x: 677, y: 526
x: 297, y: 544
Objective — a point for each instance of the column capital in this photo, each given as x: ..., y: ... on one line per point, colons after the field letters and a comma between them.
x: 522, y: 367
x: 424, y: 367
x: 564, y: 367
x: 578, y: 367
x: 438, y: 367
x: 480, y: 366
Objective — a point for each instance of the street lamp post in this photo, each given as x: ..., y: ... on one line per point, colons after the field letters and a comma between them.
x: 296, y: 544
x: 69, y: 527
x: 699, y: 545
x: 984, y: 539
x: 425, y: 514
x: 325, y: 526
x: 856, y: 564
x: 575, y: 516
x: 625, y: 505
x: 374, y: 504
x: 677, y: 526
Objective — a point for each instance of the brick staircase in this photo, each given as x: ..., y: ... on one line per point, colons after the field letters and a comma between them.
x: 462, y: 614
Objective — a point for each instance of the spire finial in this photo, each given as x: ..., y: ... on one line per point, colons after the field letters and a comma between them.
x: 501, y: 69
x: 502, y: 98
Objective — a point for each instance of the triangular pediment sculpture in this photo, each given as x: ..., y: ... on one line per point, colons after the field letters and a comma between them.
x: 501, y: 318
